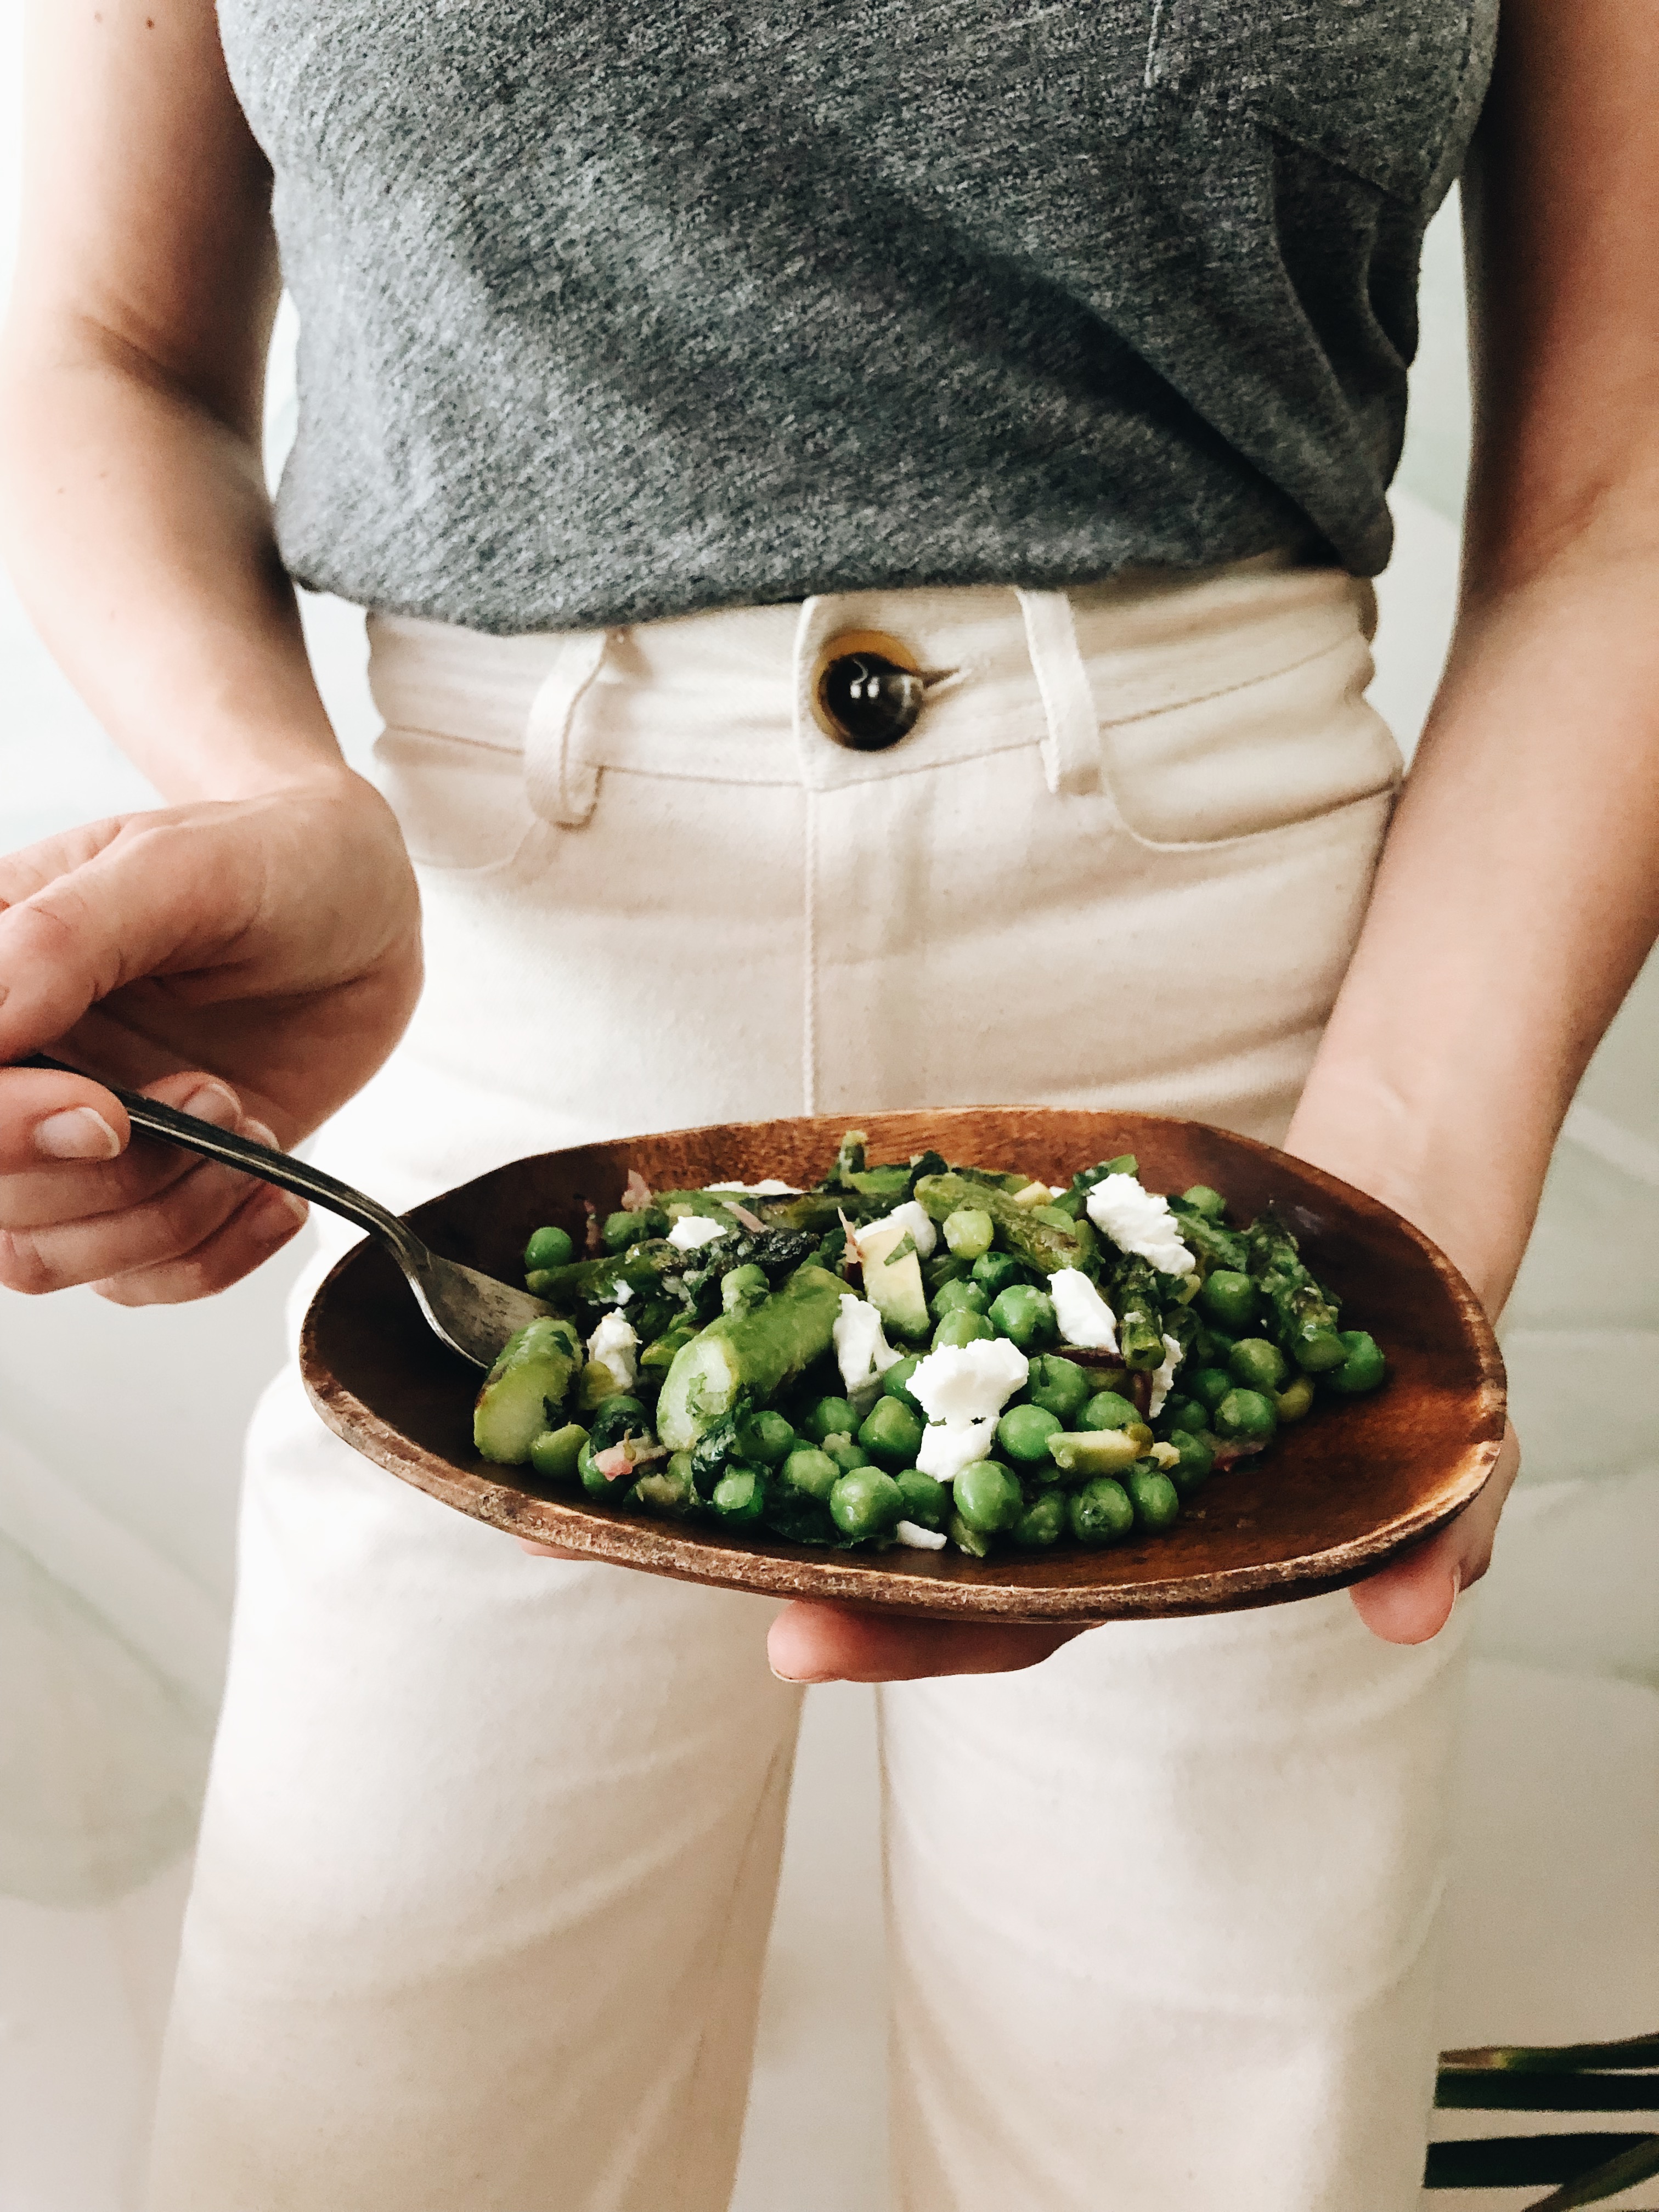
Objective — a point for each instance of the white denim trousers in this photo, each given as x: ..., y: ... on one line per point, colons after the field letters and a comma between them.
x: 491, y: 1841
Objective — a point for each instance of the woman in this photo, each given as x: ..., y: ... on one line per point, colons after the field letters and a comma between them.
x: 650, y: 357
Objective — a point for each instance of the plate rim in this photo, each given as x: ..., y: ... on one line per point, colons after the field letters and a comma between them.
x: 663, y: 1548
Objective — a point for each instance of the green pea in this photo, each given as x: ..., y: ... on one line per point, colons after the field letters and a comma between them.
x: 1059, y: 1385
x: 961, y: 1328
x: 1193, y: 1468
x: 1363, y: 1368
x: 743, y: 1288
x: 1107, y: 1410
x: 970, y: 1232
x: 1207, y: 1201
x: 614, y: 1490
x: 960, y: 1298
x: 891, y: 1434
x: 623, y: 1229
x: 1025, y: 1316
x: 846, y: 1452
x: 808, y: 1473
x: 1258, y: 1365
x: 944, y: 1268
x: 1023, y: 1432
x: 867, y: 1503
x: 988, y: 1496
x: 1209, y: 1386
x: 1154, y: 1497
x: 766, y: 1438
x: 925, y: 1501
x: 554, y: 1454
x: 830, y: 1417
x: 619, y: 1416
x: 896, y: 1382
x: 973, y: 1541
x: 1100, y: 1513
x: 739, y: 1496
x: 1247, y: 1415
x: 996, y: 1272
x: 1183, y: 1413
x: 549, y: 1248
x: 1043, y: 1522
x: 1295, y: 1400
x: 1230, y: 1298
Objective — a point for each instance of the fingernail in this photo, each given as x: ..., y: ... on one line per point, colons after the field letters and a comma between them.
x: 261, y: 1133
x: 1457, y: 1581
x: 211, y: 1102
x: 279, y: 1215
x: 79, y: 1133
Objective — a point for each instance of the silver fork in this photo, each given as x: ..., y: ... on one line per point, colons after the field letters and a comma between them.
x: 473, y: 1314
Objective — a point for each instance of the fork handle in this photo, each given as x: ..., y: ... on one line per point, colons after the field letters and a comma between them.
x: 232, y: 1150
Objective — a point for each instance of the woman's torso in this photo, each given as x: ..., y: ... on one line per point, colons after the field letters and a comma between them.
x: 618, y: 311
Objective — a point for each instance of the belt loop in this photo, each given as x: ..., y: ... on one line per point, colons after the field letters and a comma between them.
x: 1071, y: 752
x: 561, y: 787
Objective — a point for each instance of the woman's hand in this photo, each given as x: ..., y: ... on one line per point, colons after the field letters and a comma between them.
x: 272, y: 941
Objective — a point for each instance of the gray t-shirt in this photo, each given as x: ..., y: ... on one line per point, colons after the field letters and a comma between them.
x: 624, y: 308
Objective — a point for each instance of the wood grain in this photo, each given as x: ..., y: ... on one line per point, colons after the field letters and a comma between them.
x: 1337, y: 1495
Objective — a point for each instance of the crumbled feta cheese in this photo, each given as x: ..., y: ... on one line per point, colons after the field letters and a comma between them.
x: 918, y: 1538
x: 1139, y: 1220
x: 693, y: 1231
x: 911, y: 1215
x: 1058, y: 1189
x: 949, y: 1446
x: 614, y: 1346
x: 768, y: 1186
x: 969, y: 1382
x: 1085, y: 1317
x: 963, y: 1388
x: 1166, y: 1455
x: 862, y: 1351
x: 624, y: 1292
x: 1163, y: 1378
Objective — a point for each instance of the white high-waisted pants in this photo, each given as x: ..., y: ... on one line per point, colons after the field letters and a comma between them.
x: 491, y: 1841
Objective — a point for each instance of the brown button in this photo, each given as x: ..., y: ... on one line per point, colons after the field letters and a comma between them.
x: 867, y: 690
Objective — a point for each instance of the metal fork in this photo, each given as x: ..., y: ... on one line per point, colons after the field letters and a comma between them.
x: 473, y: 1314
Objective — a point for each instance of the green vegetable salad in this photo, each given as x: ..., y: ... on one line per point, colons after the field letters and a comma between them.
x: 915, y: 1354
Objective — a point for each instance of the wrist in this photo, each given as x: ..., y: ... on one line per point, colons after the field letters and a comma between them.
x: 1468, y: 1178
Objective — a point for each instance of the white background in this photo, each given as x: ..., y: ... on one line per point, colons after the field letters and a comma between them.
x: 118, y: 1445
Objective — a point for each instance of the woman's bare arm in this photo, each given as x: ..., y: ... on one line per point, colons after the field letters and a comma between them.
x: 1519, y: 891
x: 264, y: 926
x: 131, y: 381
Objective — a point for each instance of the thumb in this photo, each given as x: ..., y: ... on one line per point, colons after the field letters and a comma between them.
x: 101, y: 906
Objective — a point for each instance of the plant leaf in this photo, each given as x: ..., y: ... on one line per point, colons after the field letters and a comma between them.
x: 1487, y: 2089
x: 1603, y: 2181
x: 1634, y: 2050
x: 1517, y: 2161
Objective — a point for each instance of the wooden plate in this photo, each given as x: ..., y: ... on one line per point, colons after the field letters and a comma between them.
x: 1338, y: 1494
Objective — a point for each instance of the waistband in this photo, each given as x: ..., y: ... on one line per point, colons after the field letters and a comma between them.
x: 723, y: 695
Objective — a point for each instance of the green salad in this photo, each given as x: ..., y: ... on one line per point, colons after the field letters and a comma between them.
x: 916, y: 1354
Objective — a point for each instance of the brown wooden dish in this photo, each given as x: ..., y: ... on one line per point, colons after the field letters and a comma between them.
x: 1337, y: 1495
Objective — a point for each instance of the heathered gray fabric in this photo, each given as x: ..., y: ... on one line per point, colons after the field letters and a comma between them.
x: 621, y: 309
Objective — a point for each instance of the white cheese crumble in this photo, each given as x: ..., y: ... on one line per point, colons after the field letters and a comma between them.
x: 1139, y: 1220
x: 615, y: 1346
x: 862, y: 1351
x: 949, y: 1446
x: 1085, y: 1317
x: 768, y: 1186
x: 963, y: 1388
x: 693, y: 1231
x: 1166, y: 1455
x: 1163, y: 1378
x: 969, y: 1382
x: 918, y: 1538
x: 624, y: 1292
x: 911, y: 1215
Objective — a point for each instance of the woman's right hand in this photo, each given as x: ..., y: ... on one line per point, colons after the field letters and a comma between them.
x: 251, y: 961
